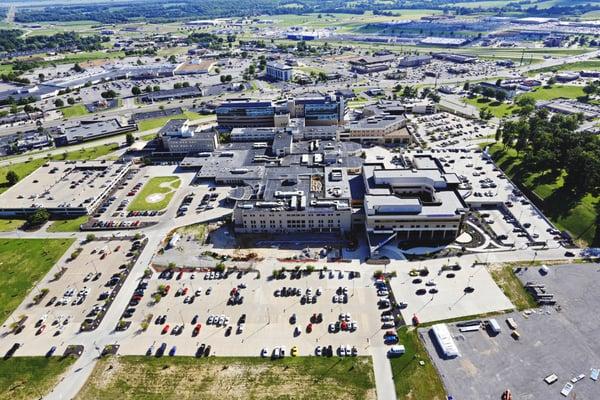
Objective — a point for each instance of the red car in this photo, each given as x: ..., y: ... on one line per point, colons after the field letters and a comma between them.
x: 165, y: 329
x: 167, y: 288
x: 196, y: 330
x: 185, y: 290
x: 309, y: 328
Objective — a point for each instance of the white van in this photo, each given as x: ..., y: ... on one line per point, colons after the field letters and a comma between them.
x: 396, y: 351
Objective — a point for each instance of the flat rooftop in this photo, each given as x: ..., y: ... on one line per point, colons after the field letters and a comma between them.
x: 63, y: 184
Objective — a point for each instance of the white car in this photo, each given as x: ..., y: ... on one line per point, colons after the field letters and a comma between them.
x: 210, y: 320
x: 318, y: 351
x: 342, y: 351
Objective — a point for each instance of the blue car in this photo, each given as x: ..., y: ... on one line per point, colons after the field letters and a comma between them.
x: 173, y: 351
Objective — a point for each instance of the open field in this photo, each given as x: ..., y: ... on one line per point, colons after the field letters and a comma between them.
x: 155, y: 123
x: 156, y: 194
x: 576, y: 215
x: 76, y: 110
x: 25, y: 168
x: 23, y: 262
x: 30, y: 377
x: 7, y: 225
x: 68, y: 225
x: 135, y: 377
x: 412, y: 380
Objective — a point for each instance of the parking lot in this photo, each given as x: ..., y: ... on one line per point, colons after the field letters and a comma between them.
x: 558, y: 340
x: 76, y: 295
x: 444, y: 293
x: 444, y: 130
x: 299, y: 315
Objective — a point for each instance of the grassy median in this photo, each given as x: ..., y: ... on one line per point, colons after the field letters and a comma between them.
x: 156, y: 194
x: 413, y: 380
x: 138, y: 377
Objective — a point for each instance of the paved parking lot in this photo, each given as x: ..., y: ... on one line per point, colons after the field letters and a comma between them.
x: 88, y: 273
x: 269, y: 321
x: 441, y: 294
x: 552, y: 342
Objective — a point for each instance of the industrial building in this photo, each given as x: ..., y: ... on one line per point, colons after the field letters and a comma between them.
x: 63, y: 188
x: 414, y: 61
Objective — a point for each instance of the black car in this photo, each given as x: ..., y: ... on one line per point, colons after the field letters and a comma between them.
x: 207, y: 351
x: 200, y: 351
x: 161, y: 350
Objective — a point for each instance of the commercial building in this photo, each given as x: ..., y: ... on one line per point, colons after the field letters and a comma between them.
x: 419, y: 202
x: 246, y: 113
x: 456, y: 58
x: 64, y: 188
x: 380, y: 129
x: 90, y: 130
x: 369, y: 64
x: 414, y: 61
x: 509, y: 89
x: 178, y: 138
x: 318, y: 110
x: 315, y: 110
x: 570, y: 107
x: 172, y: 94
x: 279, y: 72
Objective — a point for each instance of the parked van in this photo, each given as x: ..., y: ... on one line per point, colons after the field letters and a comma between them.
x: 396, y: 351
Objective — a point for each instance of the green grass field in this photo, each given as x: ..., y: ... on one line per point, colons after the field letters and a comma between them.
x: 68, y: 225
x: 24, y: 378
x: 574, y: 214
x: 8, y: 225
x: 162, y: 186
x: 412, y: 380
x: 23, y: 262
x: 76, y: 110
x: 513, y: 288
x: 255, y: 378
x: 540, y: 93
x: 591, y: 65
x: 154, y: 123
x: 27, y: 167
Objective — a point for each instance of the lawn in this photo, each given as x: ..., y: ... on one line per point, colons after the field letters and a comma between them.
x: 512, y: 287
x: 412, y: 380
x: 154, y: 123
x: 76, y: 110
x: 198, y: 231
x: 23, y: 262
x: 7, y: 225
x: 68, y: 225
x: 137, y: 377
x: 498, y: 109
x: 30, y: 377
x: 505, y: 109
x: 162, y: 187
x: 567, y: 212
x: 27, y: 167
x: 591, y: 65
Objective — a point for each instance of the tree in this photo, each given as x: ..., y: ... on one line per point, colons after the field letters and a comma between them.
x: 38, y: 217
x: 500, y: 96
x: 173, y: 59
x: 466, y: 86
x: 71, y: 101
x: 58, y: 103
x: 12, y: 178
x: 485, y: 114
x: 129, y: 139
x: 136, y: 91
x: 78, y: 68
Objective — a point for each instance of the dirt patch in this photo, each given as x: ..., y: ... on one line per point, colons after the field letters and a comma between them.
x: 232, y: 378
